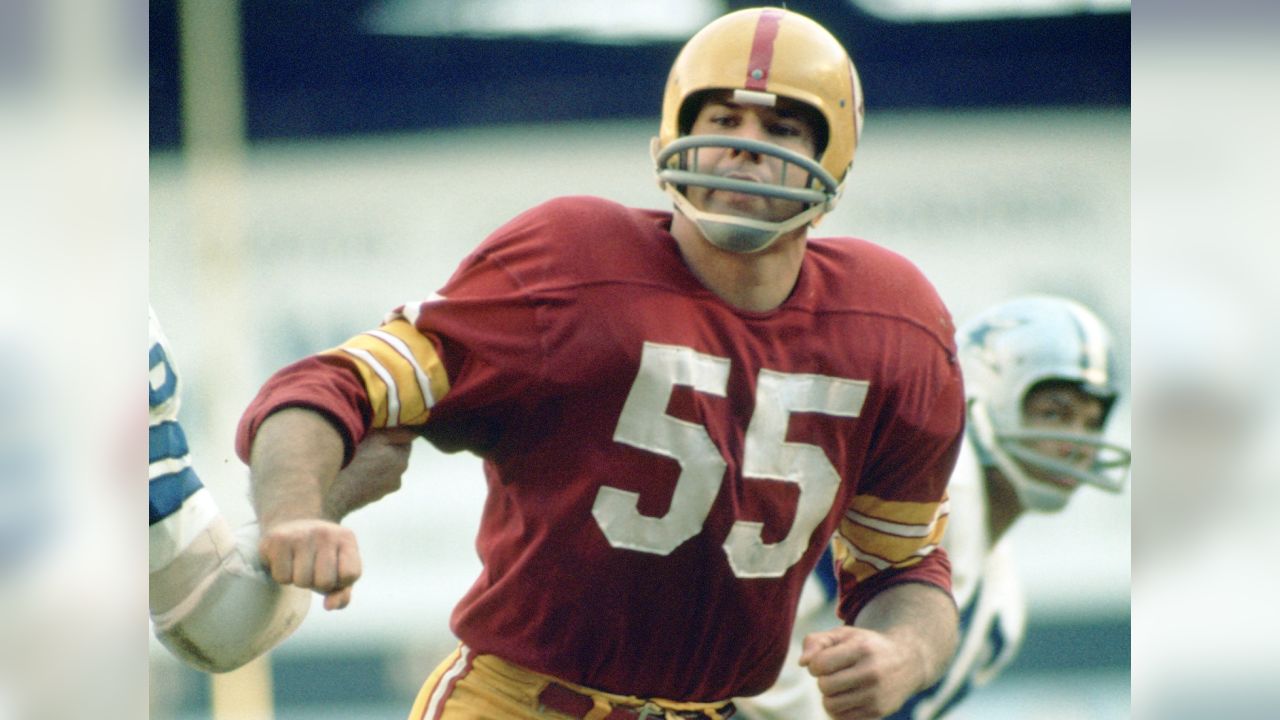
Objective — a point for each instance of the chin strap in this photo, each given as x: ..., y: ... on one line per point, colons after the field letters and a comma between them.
x: 740, y: 234
x: 732, y: 232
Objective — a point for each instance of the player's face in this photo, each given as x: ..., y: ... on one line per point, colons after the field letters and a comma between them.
x: 789, y: 124
x: 1062, y: 407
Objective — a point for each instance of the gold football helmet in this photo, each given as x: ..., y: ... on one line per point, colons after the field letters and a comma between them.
x: 760, y: 54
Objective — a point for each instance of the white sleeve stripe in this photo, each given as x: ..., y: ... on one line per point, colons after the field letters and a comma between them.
x: 900, y: 529
x: 889, y: 528
x: 424, y: 382
x: 168, y: 466
x: 172, y: 535
x: 393, y: 394
x: 876, y: 561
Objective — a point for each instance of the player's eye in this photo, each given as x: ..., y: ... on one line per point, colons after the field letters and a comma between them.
x: 1046, y: 415
x: 785, y: 129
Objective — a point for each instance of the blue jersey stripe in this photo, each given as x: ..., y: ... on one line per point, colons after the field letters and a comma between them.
x: 160, y: 395
x: 168, y: 492
x: 826, y: 573
x: 166, y: 441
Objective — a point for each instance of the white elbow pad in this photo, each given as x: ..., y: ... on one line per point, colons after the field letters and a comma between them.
x: 213, y: 605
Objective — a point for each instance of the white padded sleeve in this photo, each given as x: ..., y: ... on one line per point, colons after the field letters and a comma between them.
x: 213, y: 605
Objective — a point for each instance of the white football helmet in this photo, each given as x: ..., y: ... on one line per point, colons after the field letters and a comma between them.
x: 1008, y: 350
x: 760, y: 54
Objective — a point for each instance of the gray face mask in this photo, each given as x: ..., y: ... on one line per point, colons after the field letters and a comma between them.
x: 731, y: 232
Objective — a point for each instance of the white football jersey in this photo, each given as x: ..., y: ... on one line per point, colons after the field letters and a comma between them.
x: 988, y: 594
x: 211, y: 603
x: 181, y: 507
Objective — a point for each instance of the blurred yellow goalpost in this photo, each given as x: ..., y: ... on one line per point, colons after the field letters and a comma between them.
x: 213, y: 129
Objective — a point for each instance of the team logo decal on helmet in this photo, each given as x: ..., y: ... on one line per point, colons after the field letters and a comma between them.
x: 759, y: 55
x: 1009, y: 350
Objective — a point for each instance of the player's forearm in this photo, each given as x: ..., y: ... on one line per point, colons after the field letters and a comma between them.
x: 921, y: 616
x: 374, y: 472
x: 296, y: 456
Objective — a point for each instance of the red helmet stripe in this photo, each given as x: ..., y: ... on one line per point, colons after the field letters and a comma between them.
x: 762, y: 49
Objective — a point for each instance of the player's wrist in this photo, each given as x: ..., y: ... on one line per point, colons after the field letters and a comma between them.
x: 287, y: 495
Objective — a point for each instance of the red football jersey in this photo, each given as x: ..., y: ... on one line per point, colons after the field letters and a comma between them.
x: 663, y: 469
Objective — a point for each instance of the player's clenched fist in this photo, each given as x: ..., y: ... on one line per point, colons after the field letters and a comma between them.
x: 863, y: 674
x: 316, y: 554
x: 300, y: 495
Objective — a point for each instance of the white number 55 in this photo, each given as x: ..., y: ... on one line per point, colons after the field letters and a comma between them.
x: 645, y: 424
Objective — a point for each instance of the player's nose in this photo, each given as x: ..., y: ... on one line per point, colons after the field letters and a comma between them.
x: 750, y: 128
x: 1078, y: 454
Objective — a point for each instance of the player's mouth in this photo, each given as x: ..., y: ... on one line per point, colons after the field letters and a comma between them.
x: 743, y: 175
x: 738, y: 197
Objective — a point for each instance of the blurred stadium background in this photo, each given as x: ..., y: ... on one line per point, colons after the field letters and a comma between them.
x: 313, y: 164
x: 80, y: 167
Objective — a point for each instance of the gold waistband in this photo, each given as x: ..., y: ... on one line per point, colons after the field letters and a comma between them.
x: 602, y: 699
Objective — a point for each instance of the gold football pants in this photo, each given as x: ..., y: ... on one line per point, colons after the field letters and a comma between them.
x: 470, y: 686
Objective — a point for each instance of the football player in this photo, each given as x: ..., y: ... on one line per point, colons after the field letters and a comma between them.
x: 1040, y: 384
x: 676, y: 412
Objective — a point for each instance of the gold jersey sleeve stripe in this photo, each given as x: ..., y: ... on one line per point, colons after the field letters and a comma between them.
x: 893, y: 548
x: 380, y: 385
x: 863, y: 565
x: 419, y: 374
x: 895, y: 511
x: 900, y: 529
x: 878, y: 534
x: 402, y: 373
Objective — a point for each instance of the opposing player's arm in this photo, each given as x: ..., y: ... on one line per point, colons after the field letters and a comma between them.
x: 211, y: 604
